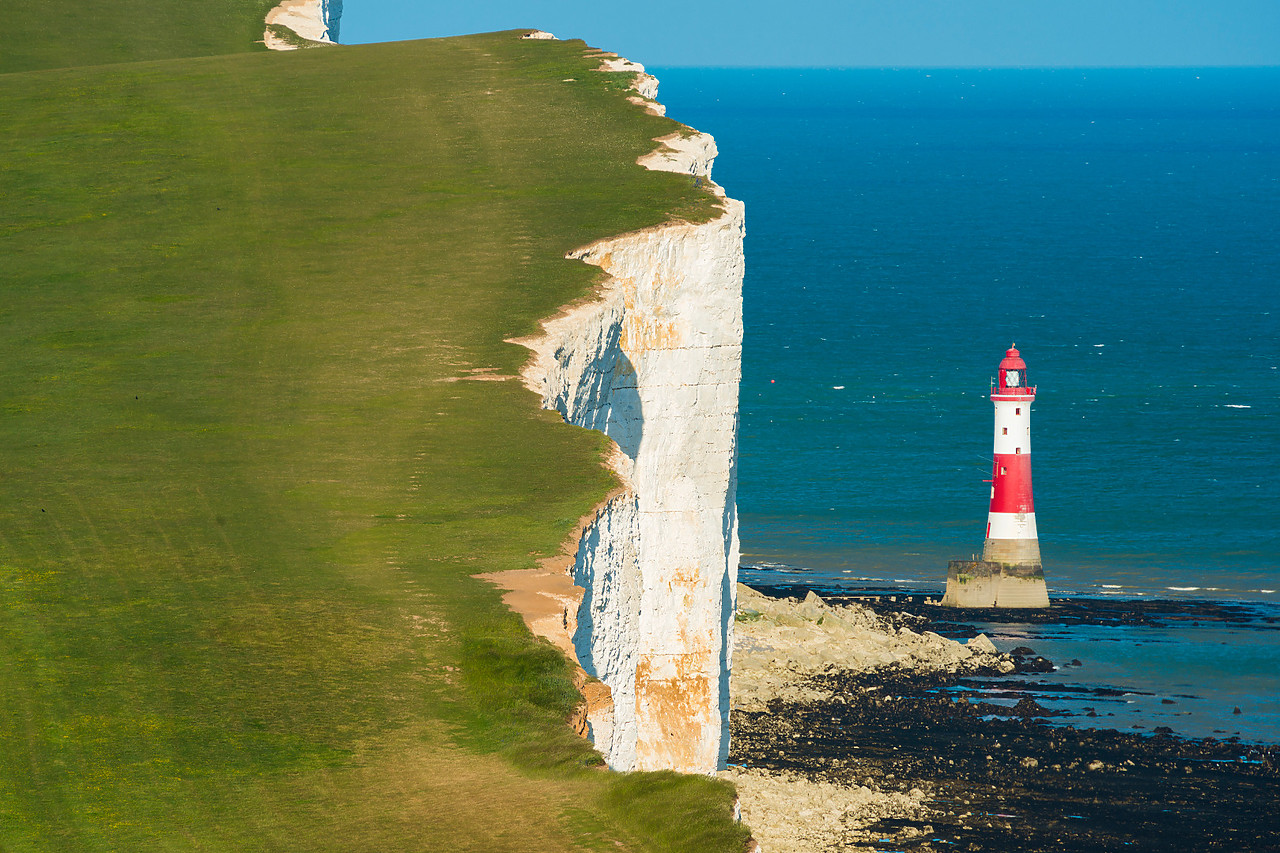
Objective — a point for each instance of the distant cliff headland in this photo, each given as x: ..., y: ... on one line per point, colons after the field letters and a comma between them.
x: 264, y: 424
x: 296, y: 24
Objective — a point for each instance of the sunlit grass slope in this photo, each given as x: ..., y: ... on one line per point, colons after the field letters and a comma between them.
x: 241, y: 498
x: 62, y: 33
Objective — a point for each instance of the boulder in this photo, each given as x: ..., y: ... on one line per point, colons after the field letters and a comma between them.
x: 982, y: 645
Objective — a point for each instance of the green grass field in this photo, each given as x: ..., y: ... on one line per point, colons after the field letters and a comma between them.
x: 241, y: 503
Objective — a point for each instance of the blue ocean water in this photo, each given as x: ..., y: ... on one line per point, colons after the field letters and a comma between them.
x: 1121, y: 226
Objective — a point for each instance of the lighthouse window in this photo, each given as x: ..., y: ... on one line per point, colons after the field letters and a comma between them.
x: 1003, y: 470
x: 1018, y: 410
x: 1004, y: 430
x: 1017, y: 450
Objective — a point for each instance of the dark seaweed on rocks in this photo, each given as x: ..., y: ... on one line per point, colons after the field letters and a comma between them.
x: 916, y: 609
x: 1004, y: 778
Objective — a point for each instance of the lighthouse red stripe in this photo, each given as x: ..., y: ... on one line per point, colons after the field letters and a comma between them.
x: 1011, y: 483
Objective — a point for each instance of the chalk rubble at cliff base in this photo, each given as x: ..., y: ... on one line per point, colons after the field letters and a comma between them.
x: 780, y: 644
x: 790, y: 814
x: 886, y: 757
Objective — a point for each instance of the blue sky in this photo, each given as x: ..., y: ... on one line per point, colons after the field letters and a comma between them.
x: 890, y: 33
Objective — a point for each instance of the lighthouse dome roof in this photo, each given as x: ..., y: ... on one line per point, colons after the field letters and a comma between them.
x: 1012, y: 360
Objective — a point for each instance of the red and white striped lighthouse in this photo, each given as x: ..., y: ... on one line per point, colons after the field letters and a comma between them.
x: 1010, y: 573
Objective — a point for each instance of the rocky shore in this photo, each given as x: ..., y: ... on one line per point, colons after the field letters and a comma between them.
x: 862, y: 730
x: 781, y: 645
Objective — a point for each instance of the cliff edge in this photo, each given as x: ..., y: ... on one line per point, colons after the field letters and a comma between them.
x: 653, y: 362
x: 294, y: 24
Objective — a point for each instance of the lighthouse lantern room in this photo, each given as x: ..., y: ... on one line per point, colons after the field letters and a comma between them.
x: 1010, y: 573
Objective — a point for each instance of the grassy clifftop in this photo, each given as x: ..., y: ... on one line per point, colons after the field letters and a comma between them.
x: 245, y: 472
x: 80, y: 33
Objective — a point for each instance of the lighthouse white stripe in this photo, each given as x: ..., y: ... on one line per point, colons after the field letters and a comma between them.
x: 1013, y: 426
x: 1011, y: 525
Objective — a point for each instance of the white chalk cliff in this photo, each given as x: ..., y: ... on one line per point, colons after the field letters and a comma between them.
x: 654, y: 362
x: 313, y: 20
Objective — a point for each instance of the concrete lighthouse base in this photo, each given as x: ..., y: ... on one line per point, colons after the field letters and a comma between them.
x: 1022, y: 585
x: 986, y: 583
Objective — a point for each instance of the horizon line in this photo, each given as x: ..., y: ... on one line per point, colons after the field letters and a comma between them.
x: 838, y: 67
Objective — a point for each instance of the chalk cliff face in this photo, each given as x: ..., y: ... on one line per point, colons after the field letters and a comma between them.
x: 314, y: 20
x: 655, y: 363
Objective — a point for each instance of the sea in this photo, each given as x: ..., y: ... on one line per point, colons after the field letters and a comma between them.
x: 1121, y: 227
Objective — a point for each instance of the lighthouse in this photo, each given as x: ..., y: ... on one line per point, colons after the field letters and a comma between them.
x: 1010, y: 573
